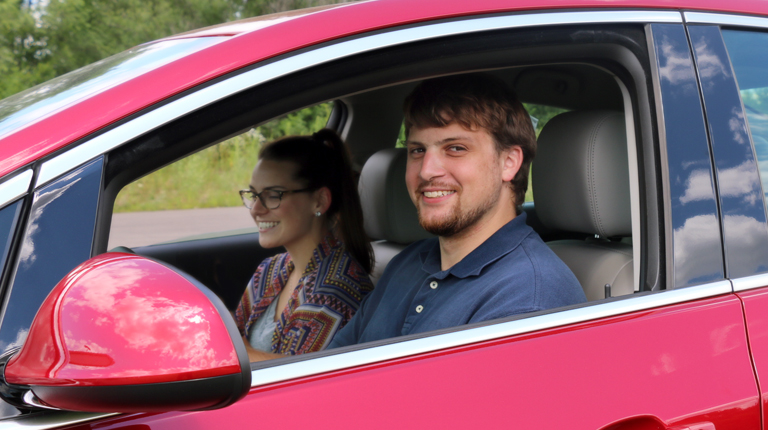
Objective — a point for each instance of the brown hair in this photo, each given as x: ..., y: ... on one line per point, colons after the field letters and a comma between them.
x: 472, y: 101
x: 323, y: 160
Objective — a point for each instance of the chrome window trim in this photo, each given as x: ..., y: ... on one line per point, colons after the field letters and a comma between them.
x: 206, y: 96
x: 50, y: 420
x: 362, y: 357
x: 725, y: 19
x: 750, y: 282
x: 15, y: 187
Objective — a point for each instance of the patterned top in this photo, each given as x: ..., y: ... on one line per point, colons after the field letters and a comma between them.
x: 327, y: 295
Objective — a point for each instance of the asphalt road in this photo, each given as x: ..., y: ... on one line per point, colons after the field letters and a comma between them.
x: 134, y: 229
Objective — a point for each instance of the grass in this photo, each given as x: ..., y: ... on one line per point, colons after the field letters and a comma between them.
x: 212, y: 177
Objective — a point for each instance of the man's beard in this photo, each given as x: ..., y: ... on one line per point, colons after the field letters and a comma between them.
x: 458, y: 220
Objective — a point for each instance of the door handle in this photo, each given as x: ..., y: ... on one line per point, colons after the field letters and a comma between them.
x: 650, y: 422
x: 697, y: 426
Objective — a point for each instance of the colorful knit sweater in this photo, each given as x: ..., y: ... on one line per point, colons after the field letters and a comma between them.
x: 327, y: 296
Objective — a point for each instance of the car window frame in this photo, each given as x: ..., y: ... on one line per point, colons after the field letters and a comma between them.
x: 406, y: 346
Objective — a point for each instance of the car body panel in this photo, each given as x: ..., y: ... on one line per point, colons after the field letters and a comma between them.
x: 675, y: 363
x: 755, y: 299
x: 588, y: 381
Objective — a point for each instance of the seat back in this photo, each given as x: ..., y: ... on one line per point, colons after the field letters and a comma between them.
x: 390, y: 216
x: 581, y: 184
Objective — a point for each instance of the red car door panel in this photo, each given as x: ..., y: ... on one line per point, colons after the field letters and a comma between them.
x: 681, y: 365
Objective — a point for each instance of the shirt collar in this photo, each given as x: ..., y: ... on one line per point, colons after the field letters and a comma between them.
x: 501, y: 243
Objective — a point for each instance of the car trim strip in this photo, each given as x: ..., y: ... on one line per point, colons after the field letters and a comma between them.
x: 724, y: 19
x: 362, y: 357
x: 15, y: 187
x: 750, y: 282
x: 50, y: 420
x: 206, y: 96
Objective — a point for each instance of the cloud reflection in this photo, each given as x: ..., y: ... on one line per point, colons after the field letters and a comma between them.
x: 736, y: 182
x: 678, y: 68
x: 702, y: 232
x: 708, y: 62
x: 699, y: 232
x: 27, y: 253
x: 150, y: 321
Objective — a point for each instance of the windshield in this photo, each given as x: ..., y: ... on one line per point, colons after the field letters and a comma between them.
x: 36, y: 103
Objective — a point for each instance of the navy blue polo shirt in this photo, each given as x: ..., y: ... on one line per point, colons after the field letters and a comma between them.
x: 512, y: 272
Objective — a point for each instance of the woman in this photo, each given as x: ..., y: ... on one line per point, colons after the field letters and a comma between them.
x: 303, y: 197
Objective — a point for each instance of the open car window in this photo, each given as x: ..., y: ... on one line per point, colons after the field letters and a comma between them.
x: 197, y: 196
x: 368, y: 115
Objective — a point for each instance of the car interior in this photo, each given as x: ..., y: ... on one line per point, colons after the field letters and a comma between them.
x: 586, y: 177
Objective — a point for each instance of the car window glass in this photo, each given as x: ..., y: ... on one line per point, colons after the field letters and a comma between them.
x: 58, y: 236
x: 198, y: 195
x: 749, y: 56
x: 44, y: 99
x: 8, y: 216
x: 540, y: 115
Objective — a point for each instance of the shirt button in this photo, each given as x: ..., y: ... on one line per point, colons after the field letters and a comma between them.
x: 433, y: 284
x: 419, y: 308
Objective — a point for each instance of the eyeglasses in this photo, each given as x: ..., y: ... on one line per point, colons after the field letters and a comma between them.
x: 270, y: 199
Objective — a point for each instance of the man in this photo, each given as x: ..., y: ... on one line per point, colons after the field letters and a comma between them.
x: 470, y: 144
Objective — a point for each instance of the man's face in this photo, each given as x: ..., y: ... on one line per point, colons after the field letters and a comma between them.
x: 454, y: 176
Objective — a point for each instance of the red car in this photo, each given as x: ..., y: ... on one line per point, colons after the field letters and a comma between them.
x: 648, y: 186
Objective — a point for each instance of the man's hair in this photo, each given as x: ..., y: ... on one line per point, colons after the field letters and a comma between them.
x: 476, y: 101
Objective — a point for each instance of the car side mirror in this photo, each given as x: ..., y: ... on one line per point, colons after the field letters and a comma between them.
x: 125, y: 333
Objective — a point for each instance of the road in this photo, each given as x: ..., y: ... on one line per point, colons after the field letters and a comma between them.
x: 133, y: 229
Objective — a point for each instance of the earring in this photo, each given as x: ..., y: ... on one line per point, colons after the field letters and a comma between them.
x: 318, y: 214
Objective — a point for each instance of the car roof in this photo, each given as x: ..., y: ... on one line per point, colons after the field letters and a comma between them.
x: 249, y: 41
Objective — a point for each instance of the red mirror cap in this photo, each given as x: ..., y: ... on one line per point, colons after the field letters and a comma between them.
x: 126, y: 333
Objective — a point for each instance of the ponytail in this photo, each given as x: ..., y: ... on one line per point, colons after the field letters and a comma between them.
x: 323, y: 160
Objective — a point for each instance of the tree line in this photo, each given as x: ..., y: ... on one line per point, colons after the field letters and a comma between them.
x: 42, y: 39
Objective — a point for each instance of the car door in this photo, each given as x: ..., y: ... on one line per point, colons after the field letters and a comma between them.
x: 740, y: 89
x: 672, y: 355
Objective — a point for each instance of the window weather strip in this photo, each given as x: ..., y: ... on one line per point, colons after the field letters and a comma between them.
x: 750, y: 282
x: 724, y: 19
x: 50, y: 420
x: 15, y: 187
x: 206, y: 96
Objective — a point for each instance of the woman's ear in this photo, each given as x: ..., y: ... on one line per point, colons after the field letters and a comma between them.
x: 323, y: 197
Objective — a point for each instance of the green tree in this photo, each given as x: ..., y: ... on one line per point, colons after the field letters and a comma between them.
x: 23, y: 49
x: 40, y: 42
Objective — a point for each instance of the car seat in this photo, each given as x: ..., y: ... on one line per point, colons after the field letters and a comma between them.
x: 581, y: 184
x: 390, y: 216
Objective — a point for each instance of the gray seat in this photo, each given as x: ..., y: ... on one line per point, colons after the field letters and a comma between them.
x: 581, y: 184
x: 390, y: 217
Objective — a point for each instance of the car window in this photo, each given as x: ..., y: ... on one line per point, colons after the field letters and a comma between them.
x: 749, y: 55
x: 373, y: 90
x: 40, y: 101
x: 198, y: 195
x: 8, y: 217
x: 58, y: 236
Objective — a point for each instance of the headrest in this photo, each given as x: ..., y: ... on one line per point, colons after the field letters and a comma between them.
x: 387, y: 208
x: 581, y: 174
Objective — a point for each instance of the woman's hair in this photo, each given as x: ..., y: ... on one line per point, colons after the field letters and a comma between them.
x: 323, y: 160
